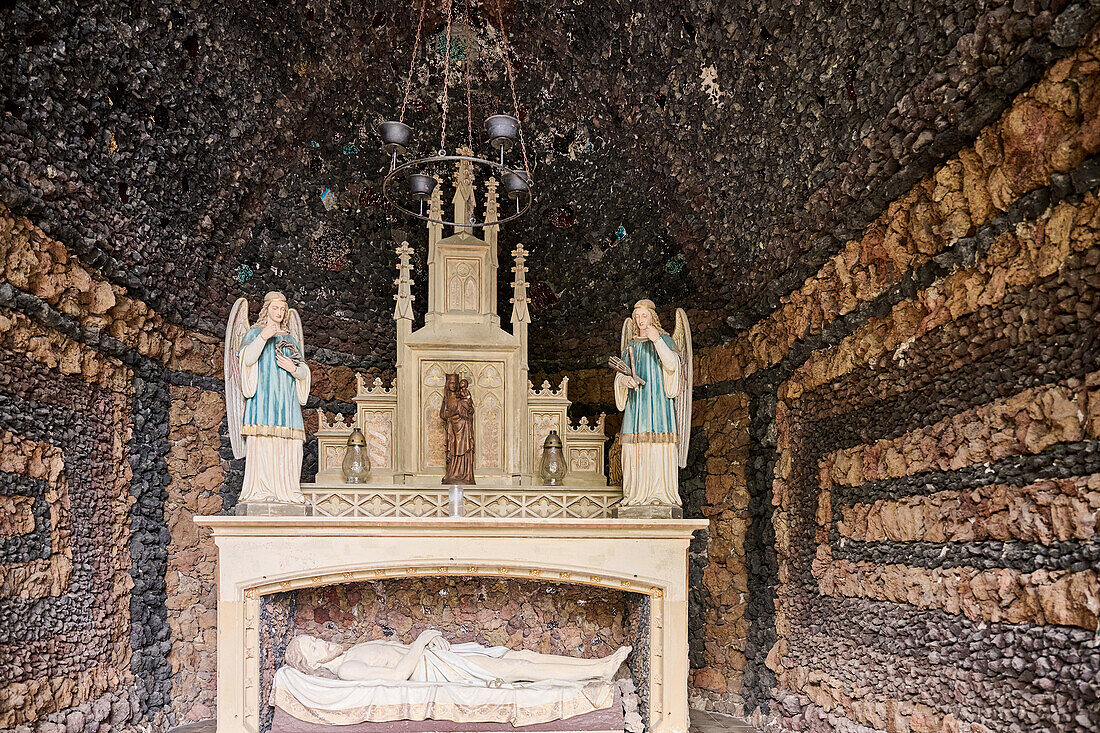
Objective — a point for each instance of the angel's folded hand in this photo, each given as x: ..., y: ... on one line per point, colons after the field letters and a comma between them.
x: 286, y: 363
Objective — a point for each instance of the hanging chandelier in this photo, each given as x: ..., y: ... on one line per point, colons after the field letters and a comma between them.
x: 413, y: 181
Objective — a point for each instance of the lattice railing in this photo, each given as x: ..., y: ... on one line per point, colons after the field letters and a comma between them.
x: 521, y: 502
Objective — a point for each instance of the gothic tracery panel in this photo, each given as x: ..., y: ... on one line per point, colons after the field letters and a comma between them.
x: 541, y: 425
x: 489, y: 446
x: 583, y: 460
x: 378, y: 428
x: 463, y: 279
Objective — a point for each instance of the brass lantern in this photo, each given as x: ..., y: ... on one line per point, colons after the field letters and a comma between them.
x: 356, y: 463
x: 552, y: 465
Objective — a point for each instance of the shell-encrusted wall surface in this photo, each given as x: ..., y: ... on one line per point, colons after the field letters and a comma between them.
x: 548, y: 618
x: 924, y: 447
x: 111, y: 440
x: 705, y: 155
x: 881, y: 217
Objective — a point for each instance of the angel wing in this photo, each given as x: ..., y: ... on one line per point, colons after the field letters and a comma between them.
x: 681, y: 336
x: 627, y: 337
x: 294, y: 324
x: 235, y: 329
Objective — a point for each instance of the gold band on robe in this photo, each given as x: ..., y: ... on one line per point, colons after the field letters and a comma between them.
x: 273, y: 431
x: 649, y: 438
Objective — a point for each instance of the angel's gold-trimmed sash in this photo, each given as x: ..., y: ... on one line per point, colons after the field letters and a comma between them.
x: 649, y: 438
x: 273, y: 431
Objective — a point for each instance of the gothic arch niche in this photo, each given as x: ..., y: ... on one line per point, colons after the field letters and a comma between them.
x: 487, y: 389
x: 271, y: 610
x: 542, y: 615
x: 463, y: 285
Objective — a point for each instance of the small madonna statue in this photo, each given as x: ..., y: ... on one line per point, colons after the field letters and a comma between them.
x: 457, y: 413
x: 266, y: 383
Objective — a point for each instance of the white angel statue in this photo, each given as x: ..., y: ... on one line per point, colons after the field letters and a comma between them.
x: 266, y: 383
x: 653, y: 388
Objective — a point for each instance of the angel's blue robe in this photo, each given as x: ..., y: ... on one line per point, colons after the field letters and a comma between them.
x: 650, y: 414
x: 274, y: 411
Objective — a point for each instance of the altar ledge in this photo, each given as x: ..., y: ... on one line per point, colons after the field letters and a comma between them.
x: 259, y: 555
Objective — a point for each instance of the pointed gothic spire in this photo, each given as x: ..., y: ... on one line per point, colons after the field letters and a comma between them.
x: 404, y: 297
x: 520, y: 312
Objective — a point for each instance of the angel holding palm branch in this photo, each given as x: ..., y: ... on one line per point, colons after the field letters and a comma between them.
x: 653, y: 389
x: 266, y: 383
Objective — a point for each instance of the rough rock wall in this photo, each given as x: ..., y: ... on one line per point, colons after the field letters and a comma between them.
x: 549, y: 618
x: 924, y: 428
x: 713, y: 486
x: 111, y: 440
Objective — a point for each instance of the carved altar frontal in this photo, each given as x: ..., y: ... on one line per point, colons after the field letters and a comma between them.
x: 461, y: 335
x: 260, y: 556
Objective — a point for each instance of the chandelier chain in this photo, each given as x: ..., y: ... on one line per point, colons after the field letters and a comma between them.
x: 512, y: 85
x: 412, y: 63
x: 502, y: 128
x: 446, y: 80
x: 469, y: 106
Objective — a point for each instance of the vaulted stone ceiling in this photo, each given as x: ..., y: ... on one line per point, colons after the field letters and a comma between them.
x: 690, y: 152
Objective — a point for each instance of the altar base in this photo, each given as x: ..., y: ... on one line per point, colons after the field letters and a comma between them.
x: 271, y: 509
x: 648, y: 511
x: 263, y: 555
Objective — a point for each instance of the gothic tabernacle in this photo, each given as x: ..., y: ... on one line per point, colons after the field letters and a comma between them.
x: 461, y: 335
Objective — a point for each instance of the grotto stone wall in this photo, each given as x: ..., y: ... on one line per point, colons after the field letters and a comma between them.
x: 922, y: 466
x: 112, y: 438
x: 903, y: 248
x: 549, y: 618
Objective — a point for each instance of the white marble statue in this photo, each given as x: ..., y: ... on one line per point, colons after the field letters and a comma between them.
x: 432, y: 679
x: 653, y: 388
x: 431, y: 658
x: 266, y: 383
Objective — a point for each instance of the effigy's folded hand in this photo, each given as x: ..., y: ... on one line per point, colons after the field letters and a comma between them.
x: 439, y: 644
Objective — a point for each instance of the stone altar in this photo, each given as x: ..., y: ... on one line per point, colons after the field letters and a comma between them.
x: 263, y: 555
x: 396, y: 525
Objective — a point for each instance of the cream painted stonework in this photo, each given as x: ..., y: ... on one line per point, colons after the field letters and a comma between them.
x: 462, y: 333
x: 262, y: 555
